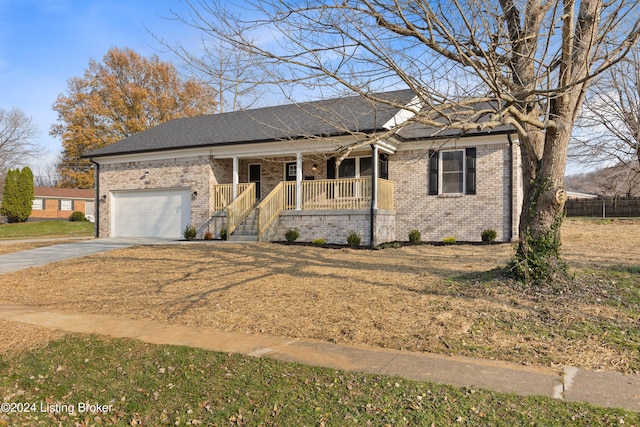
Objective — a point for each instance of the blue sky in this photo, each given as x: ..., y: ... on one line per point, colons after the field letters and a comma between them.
x: 43, y: 43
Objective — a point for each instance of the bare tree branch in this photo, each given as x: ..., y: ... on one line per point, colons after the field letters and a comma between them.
x: 17, y: 139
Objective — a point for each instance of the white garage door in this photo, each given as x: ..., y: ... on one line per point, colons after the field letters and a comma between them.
x: 150, y: 213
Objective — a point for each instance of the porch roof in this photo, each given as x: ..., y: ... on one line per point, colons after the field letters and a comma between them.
x: 332, y: 117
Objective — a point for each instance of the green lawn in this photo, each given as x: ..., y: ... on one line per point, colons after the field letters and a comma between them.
x: 33, y: 230
x: 134, y: 383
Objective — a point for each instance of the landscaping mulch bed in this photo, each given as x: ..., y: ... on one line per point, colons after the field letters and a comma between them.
x: 446, y: 299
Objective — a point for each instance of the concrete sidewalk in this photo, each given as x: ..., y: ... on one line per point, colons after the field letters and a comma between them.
x: 609, y: 389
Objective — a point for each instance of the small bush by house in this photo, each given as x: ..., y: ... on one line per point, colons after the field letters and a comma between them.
x: 291, y: 235
x: 489, y: 235
x: 414, y: 236
x: 77, y: 216
x: 189, y: 232
x: 353, y: 239
x: 449, y: 240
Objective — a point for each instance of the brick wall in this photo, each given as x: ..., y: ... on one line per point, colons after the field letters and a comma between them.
x: 436, y: 217
x: 273, y: 170
x: 51, y: 209
x: 461, y: 216
x: 335, y: 226
x: 195, y: 173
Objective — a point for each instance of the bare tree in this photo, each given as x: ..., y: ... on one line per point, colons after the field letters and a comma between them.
x: 609, y: 124
x: 235, y: 75
x: 527, y: 64
x: 17, y: 139
x: 618, y: 181
x: 47, y: 175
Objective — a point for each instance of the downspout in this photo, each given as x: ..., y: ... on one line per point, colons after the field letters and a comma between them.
x: 511, y: 182
x: 97, y: 201
x: 374, y: 194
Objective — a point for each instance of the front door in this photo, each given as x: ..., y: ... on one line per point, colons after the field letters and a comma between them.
x: 255, y: 175
x: 290, y: 171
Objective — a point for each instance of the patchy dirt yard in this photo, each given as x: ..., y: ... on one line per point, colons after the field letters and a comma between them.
x: 449, y: 299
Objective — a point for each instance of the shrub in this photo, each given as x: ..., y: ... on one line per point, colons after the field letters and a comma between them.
x: 353, y: 239
x: 223, y: 233
x: 449, y: 240
x: 17, y: 197
x: 291, y: 235
x: 208, y: 235
x: 189, y: 232
x: 77, y: 216
x: 414, y: 236
x: 488, y: 235
x: 319, y: 241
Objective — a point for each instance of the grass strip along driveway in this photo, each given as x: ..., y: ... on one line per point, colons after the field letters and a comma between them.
x: 40, y: 229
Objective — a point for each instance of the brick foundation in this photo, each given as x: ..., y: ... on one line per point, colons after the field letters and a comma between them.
x: 335, y: 226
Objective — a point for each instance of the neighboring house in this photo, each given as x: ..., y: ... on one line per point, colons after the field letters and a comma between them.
x: 579, y: 194
x: 60, y: 203
x: 261, y: 172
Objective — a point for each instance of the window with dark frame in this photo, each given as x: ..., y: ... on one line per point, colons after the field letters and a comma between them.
x: 452, y: 171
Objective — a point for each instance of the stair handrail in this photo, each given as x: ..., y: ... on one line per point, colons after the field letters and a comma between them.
x: 385, y: 194
x: 238, y: 210
x: 269, y: 208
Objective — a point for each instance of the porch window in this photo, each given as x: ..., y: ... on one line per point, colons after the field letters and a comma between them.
x: 452, y: 171
x: 365, y: 166
x: 292, y: 171
x: 357, y: 167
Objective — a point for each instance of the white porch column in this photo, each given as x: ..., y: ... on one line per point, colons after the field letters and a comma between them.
x: 375, y: 156
x: 298, y: 181
x: 235, y: 178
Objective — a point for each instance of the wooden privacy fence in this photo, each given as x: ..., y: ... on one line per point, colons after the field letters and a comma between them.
x: 604, y: 207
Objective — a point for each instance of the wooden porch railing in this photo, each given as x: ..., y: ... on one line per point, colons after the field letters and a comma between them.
x: 223, y: 194
x: 345, y: 193
x: 322, y: 194
x: 238, y: 210
x: 386, y: 190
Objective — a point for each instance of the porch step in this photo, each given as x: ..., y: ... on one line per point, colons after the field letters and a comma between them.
x: 237, y: 238
x: 248, y: 230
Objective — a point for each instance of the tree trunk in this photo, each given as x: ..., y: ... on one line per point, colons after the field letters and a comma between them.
x: 538, y: 259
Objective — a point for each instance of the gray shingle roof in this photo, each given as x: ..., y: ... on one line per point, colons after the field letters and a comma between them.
x: 319, y: 118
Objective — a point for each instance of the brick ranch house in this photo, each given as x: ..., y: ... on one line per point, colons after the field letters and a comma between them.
x: 60, y: 203
x: 258, y: 173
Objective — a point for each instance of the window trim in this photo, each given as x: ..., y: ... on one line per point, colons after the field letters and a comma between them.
x: 37, y: 204
x: 331, y: 167
x: 469, y: 176
x: 62, y: 203
x: 457, y: 172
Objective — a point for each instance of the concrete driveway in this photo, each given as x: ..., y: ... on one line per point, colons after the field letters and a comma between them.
x: 15, y: 261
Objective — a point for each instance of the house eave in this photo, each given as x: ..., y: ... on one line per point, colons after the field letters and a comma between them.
x: 277, y: 147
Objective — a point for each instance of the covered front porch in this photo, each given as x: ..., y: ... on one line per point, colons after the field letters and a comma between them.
x: 317, y: 198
